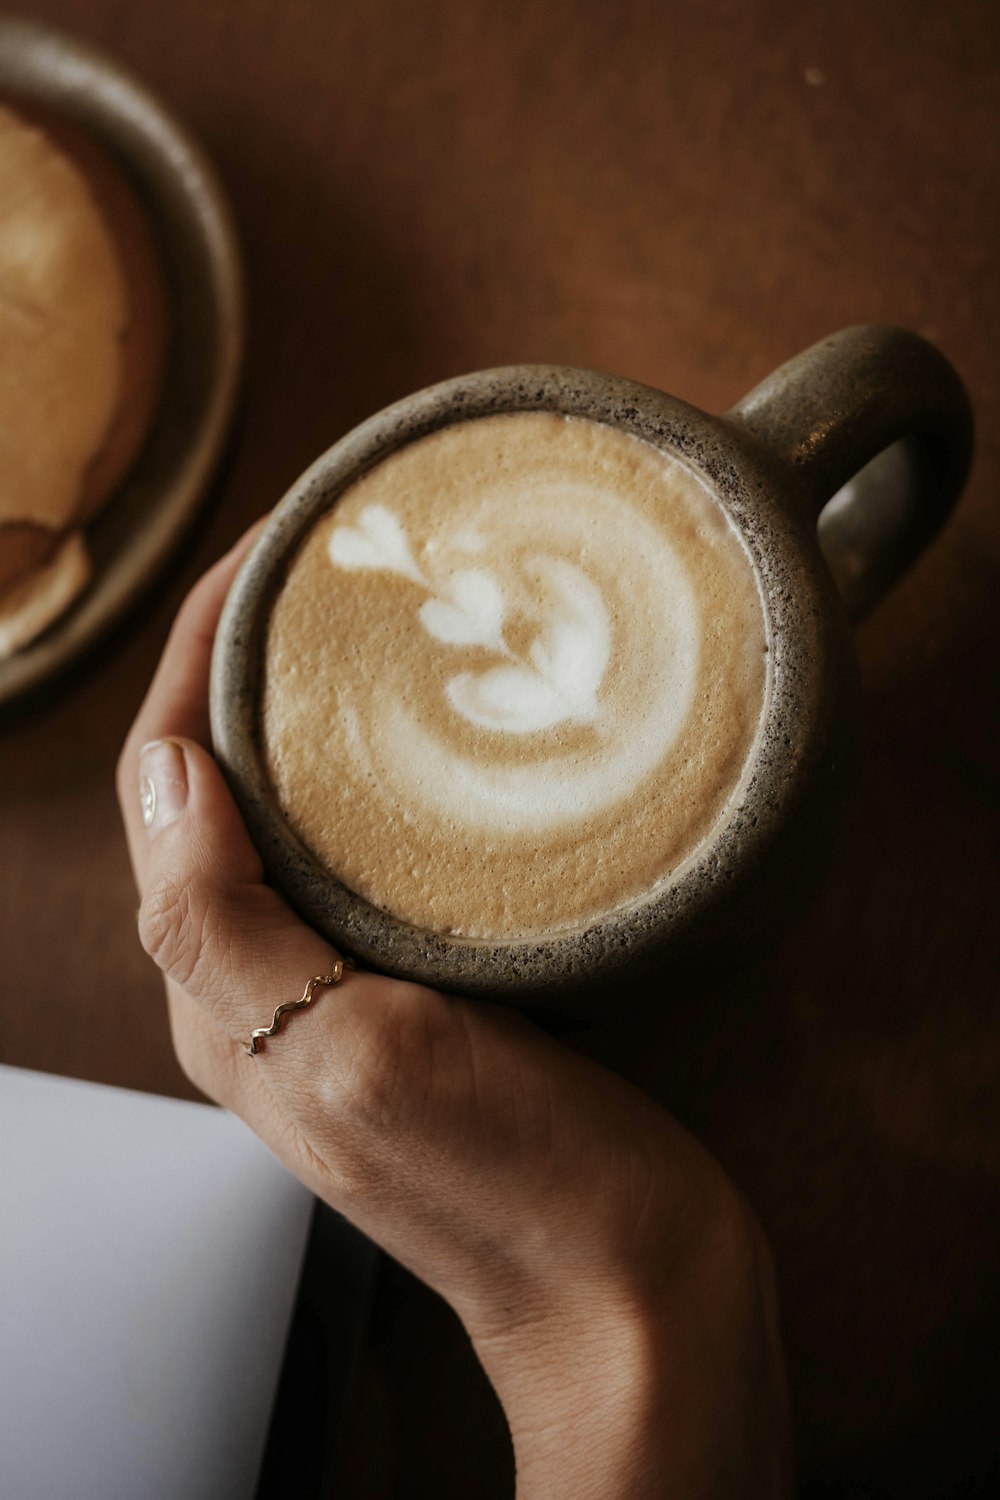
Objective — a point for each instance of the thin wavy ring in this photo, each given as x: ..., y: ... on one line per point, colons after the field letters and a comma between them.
x: 258, y: 1035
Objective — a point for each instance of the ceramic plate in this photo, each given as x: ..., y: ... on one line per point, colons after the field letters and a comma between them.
x: 137, y: 531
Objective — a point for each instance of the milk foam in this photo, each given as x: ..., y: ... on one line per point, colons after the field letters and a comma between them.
x: 515, y: 676
x: 558, y: 679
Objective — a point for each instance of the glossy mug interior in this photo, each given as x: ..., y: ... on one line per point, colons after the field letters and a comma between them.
x: 539, y: 679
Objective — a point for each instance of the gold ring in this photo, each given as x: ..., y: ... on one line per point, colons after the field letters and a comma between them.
x: 261, y: 1032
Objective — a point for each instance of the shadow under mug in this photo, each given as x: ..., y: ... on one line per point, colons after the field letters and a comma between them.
x: 836, y: 471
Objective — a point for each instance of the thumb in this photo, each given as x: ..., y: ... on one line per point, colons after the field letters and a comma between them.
x: 206, y: 916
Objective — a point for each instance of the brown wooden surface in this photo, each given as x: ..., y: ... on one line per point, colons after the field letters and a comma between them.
x: 686, y: 192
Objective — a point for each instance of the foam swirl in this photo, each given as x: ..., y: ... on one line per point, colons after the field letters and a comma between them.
x: 557, y: 678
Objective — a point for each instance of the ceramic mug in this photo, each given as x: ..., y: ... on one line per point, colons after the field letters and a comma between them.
x: 834, y: 474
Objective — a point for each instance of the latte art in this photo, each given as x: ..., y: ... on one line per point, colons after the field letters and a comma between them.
x: 515, y: 677
x: 559, y: 676
x: 562, y: 618
x: 557, y: 679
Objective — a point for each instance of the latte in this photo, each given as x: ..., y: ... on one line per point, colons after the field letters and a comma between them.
x: 514, y: 679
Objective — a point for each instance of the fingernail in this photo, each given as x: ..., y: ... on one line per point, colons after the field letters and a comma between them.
x: 163, y: 785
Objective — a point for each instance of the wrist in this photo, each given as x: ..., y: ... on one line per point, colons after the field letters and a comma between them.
x: 642, y: 1386
x: 581, y: 1390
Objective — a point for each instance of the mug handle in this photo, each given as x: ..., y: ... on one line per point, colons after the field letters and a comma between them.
x: 873, y: 429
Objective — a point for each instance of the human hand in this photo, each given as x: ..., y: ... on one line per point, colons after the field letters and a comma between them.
x: 615, y: 1286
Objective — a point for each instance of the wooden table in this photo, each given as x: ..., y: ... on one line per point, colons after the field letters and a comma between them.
x: 687, y: 192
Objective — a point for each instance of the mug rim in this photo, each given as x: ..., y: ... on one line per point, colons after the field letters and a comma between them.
x: 791, y: 734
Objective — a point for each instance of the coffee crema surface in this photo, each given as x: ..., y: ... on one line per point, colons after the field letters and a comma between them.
x: 514, y: 679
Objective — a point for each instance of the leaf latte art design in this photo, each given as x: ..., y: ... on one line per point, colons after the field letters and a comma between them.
x: 559, y: 677
x: 520, y: 634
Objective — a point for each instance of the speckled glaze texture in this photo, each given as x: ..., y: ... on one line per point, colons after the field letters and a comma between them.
x: 773, y: 462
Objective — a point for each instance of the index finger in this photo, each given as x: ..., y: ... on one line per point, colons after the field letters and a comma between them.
x: 177, y: 700
x: 176, y: 704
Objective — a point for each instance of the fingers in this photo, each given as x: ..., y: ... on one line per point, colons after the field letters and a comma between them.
x: 206, y: 917
x: 229, y: 941
x: 347, y: 1087
x: 177, y: 701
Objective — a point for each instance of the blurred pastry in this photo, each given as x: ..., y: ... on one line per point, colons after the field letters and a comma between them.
x: 83, y: 332
x: 30, y: 605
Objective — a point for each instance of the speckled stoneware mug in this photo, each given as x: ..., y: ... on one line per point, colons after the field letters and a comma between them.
x: 540, y: 679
